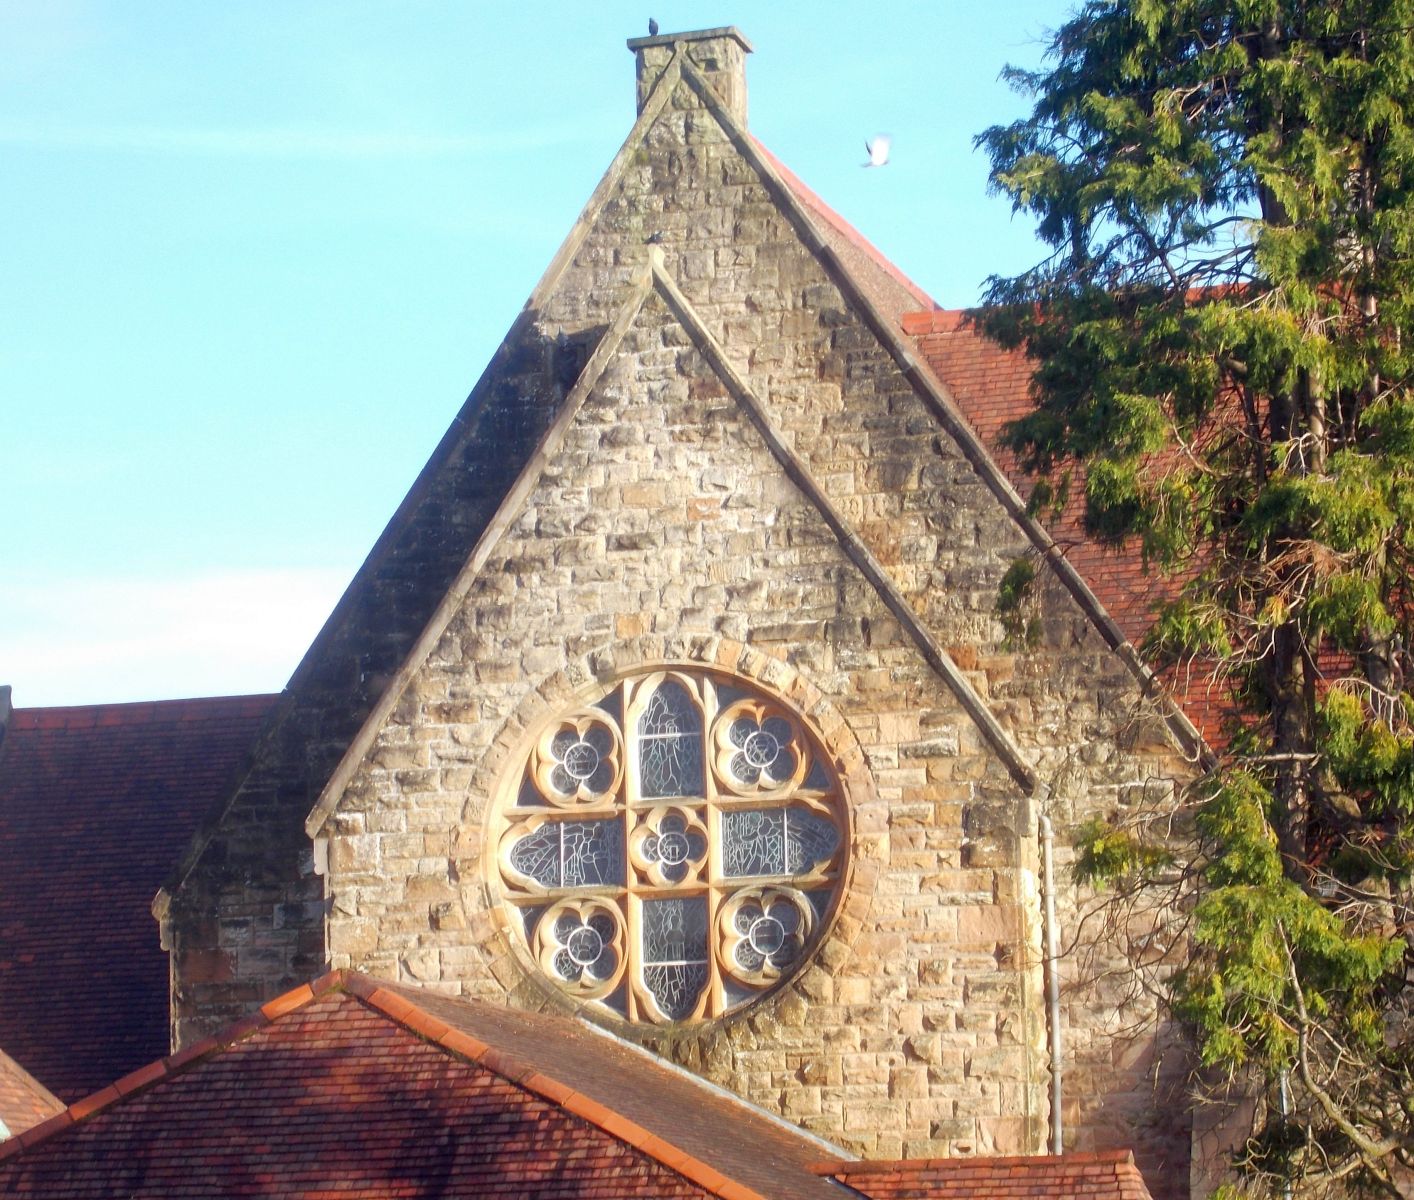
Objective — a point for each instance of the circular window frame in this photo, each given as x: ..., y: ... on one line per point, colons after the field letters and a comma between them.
x: 615, y: 990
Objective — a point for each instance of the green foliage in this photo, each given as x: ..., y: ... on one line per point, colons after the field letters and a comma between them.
x: 1369, y: 758
x: 1105, y: 855
x: 1016, y: 604
x: 1222, y: 334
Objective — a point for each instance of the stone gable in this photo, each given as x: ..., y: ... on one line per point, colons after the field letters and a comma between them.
x: 660, y: 525
x: 664, y: 531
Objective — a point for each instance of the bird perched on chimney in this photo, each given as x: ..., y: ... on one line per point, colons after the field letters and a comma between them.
x: 878, y: 148
x: 652, y: 27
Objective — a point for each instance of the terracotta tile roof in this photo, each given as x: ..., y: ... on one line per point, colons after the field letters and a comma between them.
x: 758, y: 1151
x: 347, y: 1088
x: 1106, y: 1175
x: 24, y: 1101
x: 95, y: 804
x: 992, y: 386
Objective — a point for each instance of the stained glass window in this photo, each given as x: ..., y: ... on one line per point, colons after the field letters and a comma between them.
x: 671, y: 850
x: 776, y: 841
x: 670, y: 744
x: 571, y: 854
x: 674, y: 948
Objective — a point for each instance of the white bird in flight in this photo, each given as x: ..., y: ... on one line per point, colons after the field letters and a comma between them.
x: 878, y: 148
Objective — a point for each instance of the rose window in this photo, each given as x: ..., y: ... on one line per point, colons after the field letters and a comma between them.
x: 672, y: 851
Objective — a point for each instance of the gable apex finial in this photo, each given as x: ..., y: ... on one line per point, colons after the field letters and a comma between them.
x: 719, y: 54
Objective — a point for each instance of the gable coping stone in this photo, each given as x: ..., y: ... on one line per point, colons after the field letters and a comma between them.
x: 925, y: 383
x: 657, y: 101
x: 656, y: 278
x: 939, y: 402
x: 505, y: 514
x: 206, y: 831
x: 850, y: 542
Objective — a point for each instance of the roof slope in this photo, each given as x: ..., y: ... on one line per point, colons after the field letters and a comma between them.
x: 95, y: 803
x: 1107, y: 1175
x: 752, y: 1148
x: 24, y: 1101
x: 991, y: 387
x: 349, y: 1088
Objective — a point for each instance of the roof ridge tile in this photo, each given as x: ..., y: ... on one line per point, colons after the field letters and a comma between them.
x: 140, y: 712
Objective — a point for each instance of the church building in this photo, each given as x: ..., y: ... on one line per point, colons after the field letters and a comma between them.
x: 673, y: 703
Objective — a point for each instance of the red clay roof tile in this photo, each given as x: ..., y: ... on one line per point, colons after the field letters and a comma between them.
x: 333, y: 1096
x: 1103, y: 1175
x: 636, y: 1094
x: 95, y: 804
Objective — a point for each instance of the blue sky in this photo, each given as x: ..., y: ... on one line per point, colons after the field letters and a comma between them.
x: 254, y: 256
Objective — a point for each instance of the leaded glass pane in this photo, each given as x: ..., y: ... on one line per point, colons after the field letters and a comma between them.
x: 675, y: 960
x: 677, y: 988
x: 670, y: 757
x: 748, y: 957
x: 753, y: 842
x: 810, y: 840
x: 675, y: 931
x: 572, y: 854
x: 775, y: 841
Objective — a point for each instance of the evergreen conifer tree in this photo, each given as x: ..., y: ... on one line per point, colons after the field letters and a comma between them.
x: 1224, y: 346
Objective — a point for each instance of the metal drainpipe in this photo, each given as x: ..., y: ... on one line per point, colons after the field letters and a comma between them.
x: 1053, y: 1026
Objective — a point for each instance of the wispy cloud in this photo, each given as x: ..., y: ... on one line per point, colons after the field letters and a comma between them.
x: 86, y: 639
x: 285, y: 142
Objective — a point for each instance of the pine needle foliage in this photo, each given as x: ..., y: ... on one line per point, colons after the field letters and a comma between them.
x: 1223, y: 339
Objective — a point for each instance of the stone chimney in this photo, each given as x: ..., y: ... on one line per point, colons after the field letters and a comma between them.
x: 720, y: 54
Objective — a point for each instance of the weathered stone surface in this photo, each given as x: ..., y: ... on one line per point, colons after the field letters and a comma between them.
x: 662, y: 529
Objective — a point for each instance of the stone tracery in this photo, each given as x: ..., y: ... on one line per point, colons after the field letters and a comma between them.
x: 673, y: 850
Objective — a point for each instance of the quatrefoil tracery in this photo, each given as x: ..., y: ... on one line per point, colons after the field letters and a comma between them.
x: 762, y: 932
x: 669, y: 846
x: 580, y: 944
x: 578, y: 761
x: 759, y: 750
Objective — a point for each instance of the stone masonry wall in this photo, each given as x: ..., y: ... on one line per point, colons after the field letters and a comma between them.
x: 246, y: 921
x: 868, y: 439
x: 662, y: 523
x: 664, y: 531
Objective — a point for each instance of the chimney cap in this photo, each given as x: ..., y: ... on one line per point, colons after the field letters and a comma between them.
x: 696, y: 35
